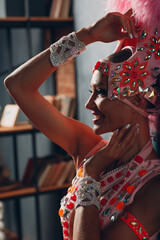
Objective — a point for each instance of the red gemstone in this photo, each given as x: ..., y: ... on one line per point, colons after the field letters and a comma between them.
x: 128, y: 174
x: 118, y: 175
x: 70, y: 205
x: 125, y: 186
x: 130, y: 189
x: 103, y: 201
x: 65, y: 231
x: 65, y: 224
x: 73, y: 197
x: 142, y: 172
x: 138, y: 159
x: 97, y: 65
x: 113, y: 200
x: 103, y: 184
x: 119, y: 205
x: 110, y: 179
x: 134, y: 75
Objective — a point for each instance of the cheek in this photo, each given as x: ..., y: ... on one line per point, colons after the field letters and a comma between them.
x: 102, y: 104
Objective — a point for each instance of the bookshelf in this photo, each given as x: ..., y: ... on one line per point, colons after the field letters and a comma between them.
x: 35, y: 22
x: 30, y: 191
x: 57, y: 27
x: 21, y: 191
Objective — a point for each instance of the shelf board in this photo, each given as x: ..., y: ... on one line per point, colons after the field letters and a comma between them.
x: 54, y: 188
x: 20, y: 127
x: 39, y: 22
x: 30, y: 191
x: 18, y: 192
x: 10, y: 235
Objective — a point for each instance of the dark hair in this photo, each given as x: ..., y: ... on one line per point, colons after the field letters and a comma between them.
x: 120, y: 56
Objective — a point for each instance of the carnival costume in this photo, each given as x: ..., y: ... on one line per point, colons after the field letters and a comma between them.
x: 118, y: 189
x: 140, y: 74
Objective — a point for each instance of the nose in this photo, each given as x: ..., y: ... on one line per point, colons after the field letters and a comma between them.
x: 90, y: 104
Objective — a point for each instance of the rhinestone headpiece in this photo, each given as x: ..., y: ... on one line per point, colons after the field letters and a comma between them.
x: 140, y: 73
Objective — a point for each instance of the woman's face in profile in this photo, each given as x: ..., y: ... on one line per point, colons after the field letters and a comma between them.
x: 108, y: 115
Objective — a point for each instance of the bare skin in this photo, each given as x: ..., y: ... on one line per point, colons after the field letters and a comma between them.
x: 104, y: 111
x: 77, y: 138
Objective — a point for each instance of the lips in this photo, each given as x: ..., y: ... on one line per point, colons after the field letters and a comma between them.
x: 98, y: 117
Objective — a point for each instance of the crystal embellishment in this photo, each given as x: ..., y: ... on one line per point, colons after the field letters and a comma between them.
x: 114, y: 217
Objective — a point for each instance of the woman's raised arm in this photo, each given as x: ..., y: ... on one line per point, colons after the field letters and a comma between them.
x: 24, y: 82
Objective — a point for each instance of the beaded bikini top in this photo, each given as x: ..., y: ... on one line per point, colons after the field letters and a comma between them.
x: 118, y: 187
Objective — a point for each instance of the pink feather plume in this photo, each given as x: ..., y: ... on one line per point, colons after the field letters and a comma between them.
x: 146, y: 11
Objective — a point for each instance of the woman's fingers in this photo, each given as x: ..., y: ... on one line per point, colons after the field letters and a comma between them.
x: 128, y: 26
x: 129, y: 12
x: 128, y: 140
x: 123, y: 140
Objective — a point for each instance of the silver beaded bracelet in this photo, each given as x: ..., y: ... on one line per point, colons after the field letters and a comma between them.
x: 88, y: 192
x: 65, y: 49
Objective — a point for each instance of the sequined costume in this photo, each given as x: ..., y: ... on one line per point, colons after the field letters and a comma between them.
x: 118, y: 187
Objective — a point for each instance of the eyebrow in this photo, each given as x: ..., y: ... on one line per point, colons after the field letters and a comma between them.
x: 99, y: 85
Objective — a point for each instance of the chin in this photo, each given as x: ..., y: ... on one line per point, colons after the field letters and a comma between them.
x: 99, y: 130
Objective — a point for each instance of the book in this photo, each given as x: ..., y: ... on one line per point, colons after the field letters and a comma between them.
x: 65, y: 9
x: 44, y: 174
x: 49, y: 176
x: 71, y: 174
x: 63, y: 177
x: 57, y: 173
x: 56, y: 7
x: 28, y: 176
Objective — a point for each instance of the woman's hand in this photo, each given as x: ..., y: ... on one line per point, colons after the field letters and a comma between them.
x: 109, y: 28
x: 120, y: 143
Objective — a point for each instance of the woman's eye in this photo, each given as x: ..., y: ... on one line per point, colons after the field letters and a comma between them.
x: 90, y: 91
x: 102, y: 92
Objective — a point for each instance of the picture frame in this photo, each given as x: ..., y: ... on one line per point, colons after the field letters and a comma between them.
x: 9, y: 115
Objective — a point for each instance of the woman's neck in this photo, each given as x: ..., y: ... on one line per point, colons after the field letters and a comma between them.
x: 143, y: 136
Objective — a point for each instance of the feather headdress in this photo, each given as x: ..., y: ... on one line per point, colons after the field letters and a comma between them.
x: 146, y: 11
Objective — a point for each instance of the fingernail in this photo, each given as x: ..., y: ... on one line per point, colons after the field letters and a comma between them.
x: 128, y: 125
x: 116, y: 131
x: 130, y: 35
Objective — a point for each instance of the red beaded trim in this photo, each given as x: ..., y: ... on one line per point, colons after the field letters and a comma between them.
x: 135, y: 225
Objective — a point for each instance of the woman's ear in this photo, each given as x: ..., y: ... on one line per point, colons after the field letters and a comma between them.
x: 139, y: 101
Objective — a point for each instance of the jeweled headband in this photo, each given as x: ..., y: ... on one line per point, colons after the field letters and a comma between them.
x: 140, y: 73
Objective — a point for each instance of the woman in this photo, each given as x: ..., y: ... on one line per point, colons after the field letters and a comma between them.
x: 115, y: 163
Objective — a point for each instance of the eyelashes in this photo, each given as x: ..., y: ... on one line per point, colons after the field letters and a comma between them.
x: 100, y: 91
